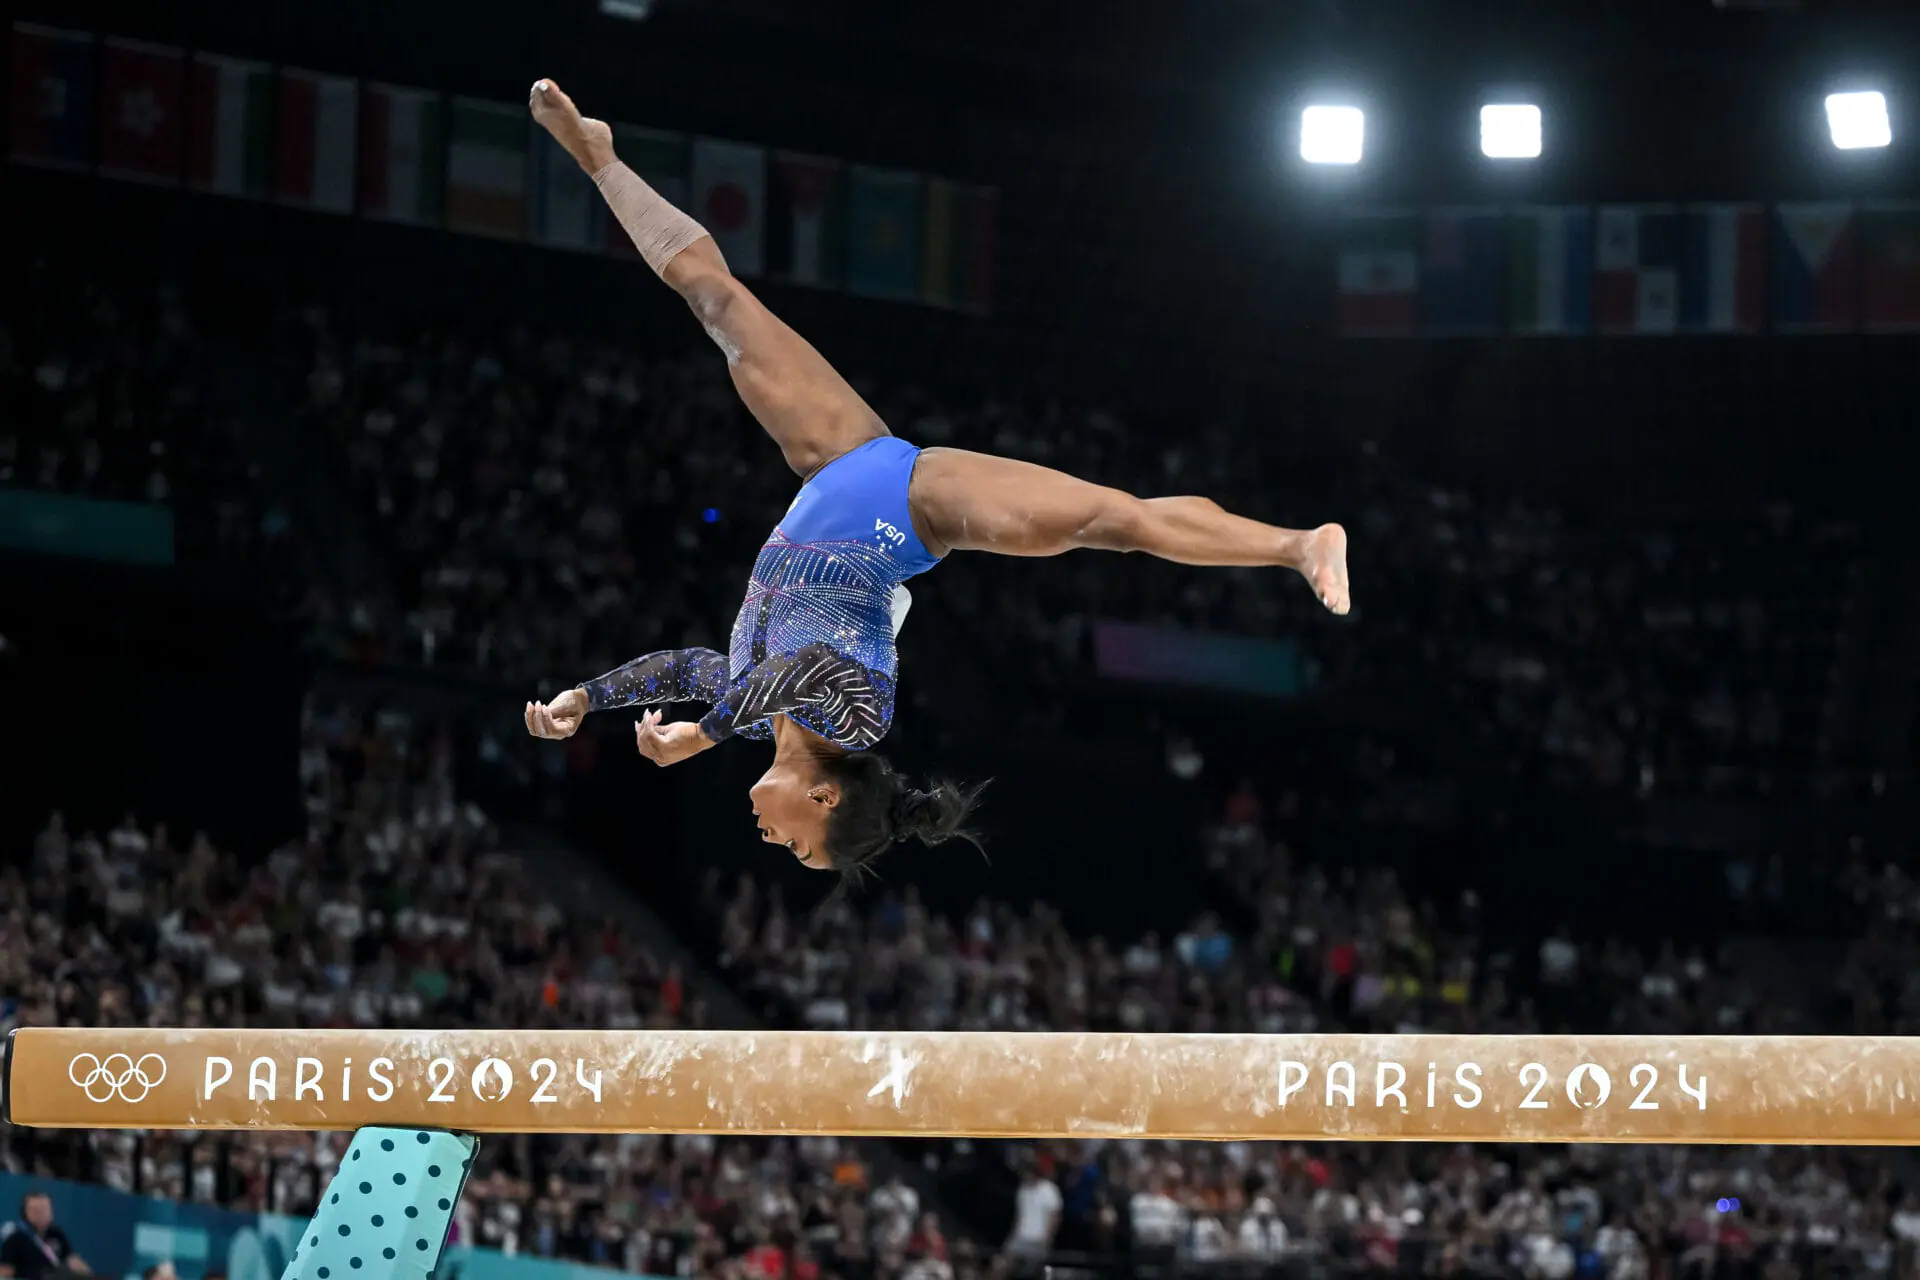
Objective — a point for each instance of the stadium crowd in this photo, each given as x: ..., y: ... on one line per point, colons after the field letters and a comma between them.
x: 400, y: 907
x: 1345, y: 952
x: 552, y: 506
x: 548, y: 507
x: 106, y: 392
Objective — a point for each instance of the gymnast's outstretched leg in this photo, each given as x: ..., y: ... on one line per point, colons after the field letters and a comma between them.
x: 808, y: 408
x: 978, y: 502
x: 960, y: 500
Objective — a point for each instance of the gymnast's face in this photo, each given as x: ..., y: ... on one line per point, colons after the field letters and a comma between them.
x: 791, y: 809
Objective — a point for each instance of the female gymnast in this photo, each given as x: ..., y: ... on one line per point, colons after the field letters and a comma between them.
x: 813, y: 664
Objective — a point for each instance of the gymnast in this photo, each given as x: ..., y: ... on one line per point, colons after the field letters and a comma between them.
x: 813, y: 665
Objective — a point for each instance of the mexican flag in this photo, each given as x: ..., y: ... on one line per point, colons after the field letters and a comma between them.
x: 230, y: 130
x: 403, y: 154
x: 318, y: 130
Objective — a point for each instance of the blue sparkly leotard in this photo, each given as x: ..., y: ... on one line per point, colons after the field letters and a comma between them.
x: 814, y: 639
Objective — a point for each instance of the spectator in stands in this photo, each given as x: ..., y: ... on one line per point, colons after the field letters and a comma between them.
x: 35, y: 1246
x: 1158, y: 1221
x: 1262, y: 1235
x: 1036, y: 1215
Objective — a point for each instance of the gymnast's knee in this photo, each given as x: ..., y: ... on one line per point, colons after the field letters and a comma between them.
x: 710, y: 294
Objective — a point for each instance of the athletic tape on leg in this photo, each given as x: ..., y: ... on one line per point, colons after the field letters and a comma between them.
x: 658, y: 230
x: 387, y: 1212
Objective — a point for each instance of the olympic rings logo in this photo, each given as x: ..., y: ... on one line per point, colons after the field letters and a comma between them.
x: 118, y: 1075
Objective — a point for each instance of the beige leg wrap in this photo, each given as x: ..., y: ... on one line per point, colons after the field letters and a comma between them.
x: 659, y: 231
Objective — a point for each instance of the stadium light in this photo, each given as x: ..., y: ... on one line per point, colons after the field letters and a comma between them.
x: 1859, y: 120
x: 1332, y: 135
x: 1510, y: 131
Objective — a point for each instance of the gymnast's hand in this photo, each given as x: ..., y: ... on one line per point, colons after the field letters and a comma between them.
x: 666, y: 744
x: 560, y: 718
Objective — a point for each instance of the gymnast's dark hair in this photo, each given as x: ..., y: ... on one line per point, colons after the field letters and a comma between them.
x: 879, y: 808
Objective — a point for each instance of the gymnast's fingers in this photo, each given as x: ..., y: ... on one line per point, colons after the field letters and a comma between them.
x: 528, y: 717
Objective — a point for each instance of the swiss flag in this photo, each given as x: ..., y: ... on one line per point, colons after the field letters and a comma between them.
x: 142, y: 87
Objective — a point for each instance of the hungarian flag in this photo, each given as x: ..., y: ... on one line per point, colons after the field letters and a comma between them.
x: 1550, y: 270
x: 730, y: 200
x: 230, y: 148
x: 568, y: 212
x: 883, y: 233
x: 318, y: 124
x: 1890, y: 266
x: 403, y: 155
x: 487, y: 168
x: 1379, y: 274
x: 141, y: 90
x: 1636, y: 269
x: 806, y: 219
x: 664, y: 161
x: 1816, y: 278
x: 51, y: 114
x: 1723, y: 269
x: 956, y: 245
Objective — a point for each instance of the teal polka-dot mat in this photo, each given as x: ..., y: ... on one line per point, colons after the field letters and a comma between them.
x: 386, y: 1214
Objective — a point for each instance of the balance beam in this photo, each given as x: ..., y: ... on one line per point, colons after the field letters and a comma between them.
x: 1787, y: 1089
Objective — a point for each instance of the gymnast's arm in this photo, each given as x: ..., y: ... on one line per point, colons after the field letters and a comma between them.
x: 817, y: 688
x: 671, y: 675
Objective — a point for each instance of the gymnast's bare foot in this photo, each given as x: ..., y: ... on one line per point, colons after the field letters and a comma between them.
x: 588, y: 141
x: 1324, y: 566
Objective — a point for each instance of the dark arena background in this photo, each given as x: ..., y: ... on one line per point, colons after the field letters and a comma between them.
x: 339, y: 420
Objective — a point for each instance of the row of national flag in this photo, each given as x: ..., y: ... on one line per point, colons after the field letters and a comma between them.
x: 153, y: 113
x: 1822, y: 267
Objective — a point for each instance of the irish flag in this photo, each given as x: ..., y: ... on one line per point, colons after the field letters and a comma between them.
x: 403, y: 154
x: 230, y: 137
x: 318, y: 130
x: 487, y: 168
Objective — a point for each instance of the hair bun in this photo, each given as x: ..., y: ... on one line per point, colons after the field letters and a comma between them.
x: 879, y: 808
x: 909, y: 804
x: 934, y: 815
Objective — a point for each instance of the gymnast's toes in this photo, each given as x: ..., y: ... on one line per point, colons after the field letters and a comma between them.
x: 1325, y: 567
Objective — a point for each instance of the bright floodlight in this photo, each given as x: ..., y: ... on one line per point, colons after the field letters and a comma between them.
x: 1859, y: 120
x: 1332, y: 135
x: 1510, y: 131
